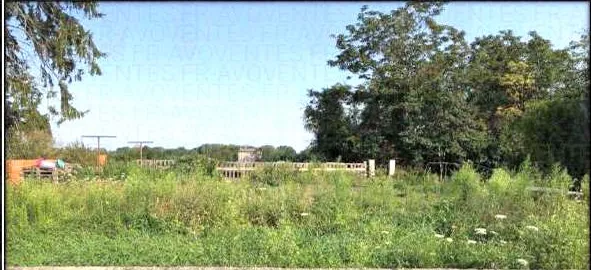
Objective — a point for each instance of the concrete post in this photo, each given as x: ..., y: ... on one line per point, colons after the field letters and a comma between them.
x: 372, y: 167
x: 392, y: 167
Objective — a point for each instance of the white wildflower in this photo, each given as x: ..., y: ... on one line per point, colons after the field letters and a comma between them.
x: 522, y: 262
x: 503, y: 242
x: 533, y: 228
x: 471, y: 242
x: 449, y: 239
x: 480, y: 231
x: 439, y: 235
x: 500, y: 216
x: 304, y: 214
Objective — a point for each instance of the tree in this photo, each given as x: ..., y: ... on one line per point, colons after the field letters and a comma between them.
x: 413, y: 97
x: 519, y: 86
x: 281, y: 153
x: 286, y: 153
x: 326, y: 116
x: 504, y: 73
x: 219, y: 151
x: 46, y: 36
x: 557, y: 131
x: 557, y: 128
x: 267, y: 153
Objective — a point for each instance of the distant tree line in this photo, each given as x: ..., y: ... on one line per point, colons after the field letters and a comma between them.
x: 427, y: 94
x: 220, y: 152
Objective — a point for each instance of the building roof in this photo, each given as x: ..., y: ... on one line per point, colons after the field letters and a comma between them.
x: 247, y: 149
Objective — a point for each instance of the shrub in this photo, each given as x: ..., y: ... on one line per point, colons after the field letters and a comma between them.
x: 195, y: 164
x: 466, y: 183
x: 273, y: 175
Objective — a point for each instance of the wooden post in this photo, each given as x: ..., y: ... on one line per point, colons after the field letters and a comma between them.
x: 141, y: 149
x: 391, y: 167
x: 372, y: 167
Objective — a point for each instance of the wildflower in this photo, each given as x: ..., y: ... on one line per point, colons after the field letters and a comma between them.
x: 494, y: 233
x: 480, y: 231
x: 449, y: 239
x: 439, y: 235
x: 533, y: 228
x: 503, y: 242
x: 471, y: 242
x: 385, y: 232
x: 304, y: 214
x: 500, y: 216
x: 522, y: 262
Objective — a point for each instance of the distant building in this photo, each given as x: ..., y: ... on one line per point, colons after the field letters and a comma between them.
x: 249, y: 154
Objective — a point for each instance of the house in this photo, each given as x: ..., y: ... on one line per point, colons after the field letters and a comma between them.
x: 249, y: 154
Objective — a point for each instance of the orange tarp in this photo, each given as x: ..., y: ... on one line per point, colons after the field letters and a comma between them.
x: 102, y: 160
x: 15, y: 166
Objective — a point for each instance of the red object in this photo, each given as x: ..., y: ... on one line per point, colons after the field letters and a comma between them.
x: 38, y: 162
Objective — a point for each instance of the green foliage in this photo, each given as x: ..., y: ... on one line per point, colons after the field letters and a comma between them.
x: 427, y: 95
x: 49, y: 36
x: 281, y: 153
x: 77, y: 153
x: 332, y: 124
x: 325, y: 219
x: 466, y: 184
x: 31, y: 144
x: 195, y: 164
x: 273, y: 175
x: 219, y: 151
x: 557, y: 131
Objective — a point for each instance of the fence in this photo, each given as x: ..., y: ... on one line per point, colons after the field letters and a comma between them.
x: 238, y: 169
x: 155, y: 163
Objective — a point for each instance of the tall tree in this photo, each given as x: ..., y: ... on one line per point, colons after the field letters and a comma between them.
x: 326, y: 117
x: 413, y: 95
x: 504, y: 73
x: 46, y: 45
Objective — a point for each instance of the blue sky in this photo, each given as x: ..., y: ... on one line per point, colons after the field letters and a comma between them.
x: 185, y: 74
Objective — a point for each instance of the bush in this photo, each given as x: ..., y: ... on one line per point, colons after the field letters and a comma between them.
x: 273, y: 175
x: 29, y: 145
x: 466, y: 183
x: 76, y: 153
x: 195, y: 164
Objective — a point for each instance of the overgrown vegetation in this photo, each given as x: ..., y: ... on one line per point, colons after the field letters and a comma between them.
x: 427, y: 94
x: 312, y: 219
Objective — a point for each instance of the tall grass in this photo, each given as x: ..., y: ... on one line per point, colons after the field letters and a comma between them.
x: 278, y: 218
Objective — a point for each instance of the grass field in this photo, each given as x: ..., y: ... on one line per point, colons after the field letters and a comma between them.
x: 281, y: 219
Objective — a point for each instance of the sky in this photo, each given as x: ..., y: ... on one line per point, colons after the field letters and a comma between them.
x: 191, y: 73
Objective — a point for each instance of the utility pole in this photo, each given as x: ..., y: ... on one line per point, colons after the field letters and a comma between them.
x: 98, y: 148
x: 141, y: 148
